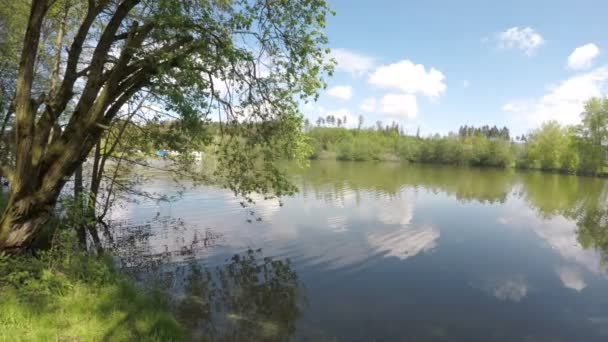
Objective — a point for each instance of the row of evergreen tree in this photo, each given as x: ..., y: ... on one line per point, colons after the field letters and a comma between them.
x: 486, y: 131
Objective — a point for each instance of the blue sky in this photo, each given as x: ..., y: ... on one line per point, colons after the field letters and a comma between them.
x: 441, y: 64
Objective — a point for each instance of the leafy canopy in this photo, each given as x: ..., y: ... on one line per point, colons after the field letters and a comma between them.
x: 245, y: 64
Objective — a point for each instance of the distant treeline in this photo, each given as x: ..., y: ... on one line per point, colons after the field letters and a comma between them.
x: 573, y: 149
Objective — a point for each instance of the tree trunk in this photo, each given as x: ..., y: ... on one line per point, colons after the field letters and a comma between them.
x: 79, y: 206
x: 28, y: 208
x: 22, y: 218
x: 44, y: 163
x: 92, y: 229
x: 92, y: 204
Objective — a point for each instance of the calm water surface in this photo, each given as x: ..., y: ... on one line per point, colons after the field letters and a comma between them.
x: 391, y: 252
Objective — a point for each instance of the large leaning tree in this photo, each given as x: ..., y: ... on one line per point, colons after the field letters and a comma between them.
x: 244, y: 65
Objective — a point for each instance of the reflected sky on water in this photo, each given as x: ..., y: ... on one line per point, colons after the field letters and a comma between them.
x: 391, y: 252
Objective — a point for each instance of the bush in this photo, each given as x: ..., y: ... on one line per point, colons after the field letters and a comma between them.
x: 551, y: 147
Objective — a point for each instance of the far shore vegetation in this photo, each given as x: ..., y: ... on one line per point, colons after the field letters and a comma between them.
x: 579, y: 149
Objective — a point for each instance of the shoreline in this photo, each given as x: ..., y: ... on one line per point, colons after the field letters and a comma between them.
x: 490, y: 167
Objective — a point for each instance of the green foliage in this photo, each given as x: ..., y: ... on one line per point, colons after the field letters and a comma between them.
x: 486, y: 131
x: 552, y: 147
x: 593, y: 231
x: 64, y: 294
x: 176, y: 67
x: 593, y: 135
x: 260, y: 122
x: 13, y: 20
x: 390, y: 145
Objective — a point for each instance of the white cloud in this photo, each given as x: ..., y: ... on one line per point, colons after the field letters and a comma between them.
x: 410, y: 78
x: 563, y: 102
x: 352, y: 62
x: 582, y: 56
x: 525, y: 39
x: 466, y: 83
x: 368, y: 105
x: 341, y: 92
x: 399, y: 105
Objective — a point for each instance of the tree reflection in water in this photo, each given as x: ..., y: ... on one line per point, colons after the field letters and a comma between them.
x: 248, y: 298
x: 593, y: 231
x: 251, y: 298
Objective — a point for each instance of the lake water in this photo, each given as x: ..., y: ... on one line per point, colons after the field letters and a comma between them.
x: 392, y: 252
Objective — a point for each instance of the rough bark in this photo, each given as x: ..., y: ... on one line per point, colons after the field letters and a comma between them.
x: 43, y: 166
x: 25, y: 217
x: 46, y: 156
x: 24, y: 108
x: 27, y: 210
x: 91, y: 226
x: 78, y: 206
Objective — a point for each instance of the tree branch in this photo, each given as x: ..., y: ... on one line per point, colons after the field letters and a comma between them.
x: 25, y: 116
x: 63, y: 96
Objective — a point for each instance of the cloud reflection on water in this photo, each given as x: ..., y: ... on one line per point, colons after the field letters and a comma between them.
x: 571, y: 278
x: 405, y: 242
x: 505, y: 288
x: 559, y: 232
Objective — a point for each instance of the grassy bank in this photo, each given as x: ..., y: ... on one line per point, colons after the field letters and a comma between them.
x: 66, y: 295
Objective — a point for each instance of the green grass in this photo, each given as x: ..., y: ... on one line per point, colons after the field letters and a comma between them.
x: 70, y: 296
